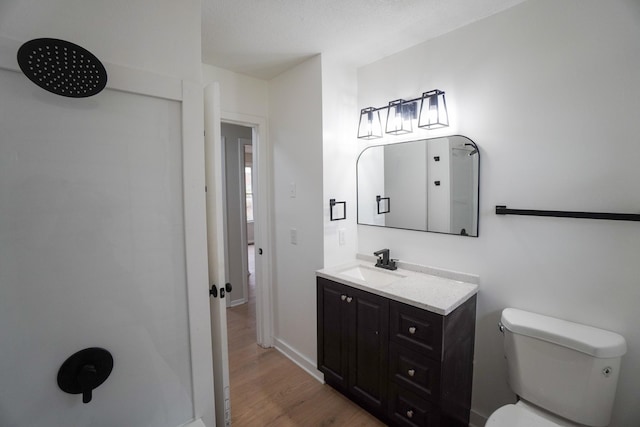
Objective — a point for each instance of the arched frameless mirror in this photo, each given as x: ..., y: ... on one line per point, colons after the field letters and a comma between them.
x: 425, y: 185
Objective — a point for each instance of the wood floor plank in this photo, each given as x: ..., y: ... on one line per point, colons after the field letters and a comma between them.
x: 268, y: 389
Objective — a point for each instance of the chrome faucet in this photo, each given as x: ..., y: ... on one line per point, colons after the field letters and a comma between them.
x: 384, y: 261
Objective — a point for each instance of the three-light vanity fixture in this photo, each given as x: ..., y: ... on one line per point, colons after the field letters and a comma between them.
x: 401, y: 113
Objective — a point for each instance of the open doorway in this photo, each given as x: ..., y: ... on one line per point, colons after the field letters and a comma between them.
x: 239, y: 212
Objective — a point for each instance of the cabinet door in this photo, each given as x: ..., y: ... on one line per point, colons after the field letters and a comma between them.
x: 407, y: 409
x: 368, y: 349
x: 332, y: 332
x: 416, y: 329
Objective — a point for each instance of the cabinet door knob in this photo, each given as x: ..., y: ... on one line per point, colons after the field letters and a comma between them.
x: 411, y: 372
x: 412, y: 330
x: 349, y: 299
x: 343, y: 297
x: 410, y: 413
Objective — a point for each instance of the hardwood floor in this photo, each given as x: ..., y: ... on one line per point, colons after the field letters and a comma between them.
x: 267, y: 389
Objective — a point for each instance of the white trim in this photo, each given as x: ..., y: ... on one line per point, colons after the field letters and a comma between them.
x: 263, y: 222
x: 223, y: 212
x: 299, y: 359
x: 195, y: 220
x: 237, y: 302
x: 194, y: 423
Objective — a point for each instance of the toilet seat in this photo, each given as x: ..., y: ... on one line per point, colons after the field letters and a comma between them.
x: 523, y: 415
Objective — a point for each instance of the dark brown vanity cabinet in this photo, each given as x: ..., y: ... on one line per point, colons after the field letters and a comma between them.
x: 353, y: 336
x: 408, y: 366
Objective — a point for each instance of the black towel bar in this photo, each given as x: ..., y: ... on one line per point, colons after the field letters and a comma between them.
x: 502, y: 210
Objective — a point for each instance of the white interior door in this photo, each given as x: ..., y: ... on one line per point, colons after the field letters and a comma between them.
x: 214, y: 158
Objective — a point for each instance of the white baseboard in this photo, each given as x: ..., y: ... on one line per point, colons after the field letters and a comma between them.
x: 476, y: 420
x: 195, y: 423
x: 238, y: 302
x: 299, y: 359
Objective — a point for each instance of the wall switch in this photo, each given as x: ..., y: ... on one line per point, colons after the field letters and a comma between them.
x: 292, y: 190
x: 341, y: 238
x: 294, y: 236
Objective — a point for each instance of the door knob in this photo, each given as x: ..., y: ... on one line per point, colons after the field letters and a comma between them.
x: 349, y: 299
x: 213, y: 291
x: 343, y: 297
x: 411, y: 372
x: 412, y: 330
x: 228, y: 287
x: 410, y: 413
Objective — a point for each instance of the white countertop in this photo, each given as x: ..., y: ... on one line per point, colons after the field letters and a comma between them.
x: 439, y: 293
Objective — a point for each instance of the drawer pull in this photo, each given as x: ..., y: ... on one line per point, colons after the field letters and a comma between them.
x: 343, y: 297
x: 410, y: 413
x: 411, y: 372
x: 412, y: 330
x: 349, y: 299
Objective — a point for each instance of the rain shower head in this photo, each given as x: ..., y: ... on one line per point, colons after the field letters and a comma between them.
x: 473, y: 151
x: 62, y: 67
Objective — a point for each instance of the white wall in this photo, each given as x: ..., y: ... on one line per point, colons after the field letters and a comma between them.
x: 93, y: 256
x: 340, y: 116
x: 370, y: 171
x: 239, y: 94
x: 295, y: 113
x: 160, y: 36
x: 101, y: 255
x: 550, y: 92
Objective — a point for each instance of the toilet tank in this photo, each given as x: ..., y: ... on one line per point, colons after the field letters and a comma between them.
x: 564, y: 367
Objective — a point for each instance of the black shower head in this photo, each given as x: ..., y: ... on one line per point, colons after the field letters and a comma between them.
x: 473, y: 151
x: 62, y: 67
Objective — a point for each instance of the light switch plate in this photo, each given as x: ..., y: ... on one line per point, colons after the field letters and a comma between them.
x: 294, y: 236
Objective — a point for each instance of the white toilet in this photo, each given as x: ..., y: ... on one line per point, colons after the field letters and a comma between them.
x: 564, y: 373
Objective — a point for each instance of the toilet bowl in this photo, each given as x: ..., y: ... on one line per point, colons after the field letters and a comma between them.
x: 522, y: 414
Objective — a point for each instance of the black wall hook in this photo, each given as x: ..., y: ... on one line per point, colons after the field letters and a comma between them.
x: 84, y: 371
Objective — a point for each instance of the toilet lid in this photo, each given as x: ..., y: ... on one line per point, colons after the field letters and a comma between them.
x: 519, y: 416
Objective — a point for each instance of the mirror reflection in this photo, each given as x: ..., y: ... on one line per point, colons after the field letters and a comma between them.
x: 426, y: 185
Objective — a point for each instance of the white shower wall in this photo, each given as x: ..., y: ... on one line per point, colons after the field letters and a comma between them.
x: 92, y: 254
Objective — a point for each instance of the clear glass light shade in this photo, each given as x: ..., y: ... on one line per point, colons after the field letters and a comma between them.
x: 433, y: 110
x: 370, y: 126
x: 399, y: 117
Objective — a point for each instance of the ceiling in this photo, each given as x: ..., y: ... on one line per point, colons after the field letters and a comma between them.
x: 262, y: 38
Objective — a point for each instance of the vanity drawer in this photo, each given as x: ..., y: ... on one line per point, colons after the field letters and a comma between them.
x: 415, y: 372
x: 416, y: 329
x: 409, y: 409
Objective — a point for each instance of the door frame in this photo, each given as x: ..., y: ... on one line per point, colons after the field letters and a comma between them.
x: 191, y: 96
x: 262, y: 221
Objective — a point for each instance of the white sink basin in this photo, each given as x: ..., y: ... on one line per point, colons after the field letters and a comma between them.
x: 372, y: 276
